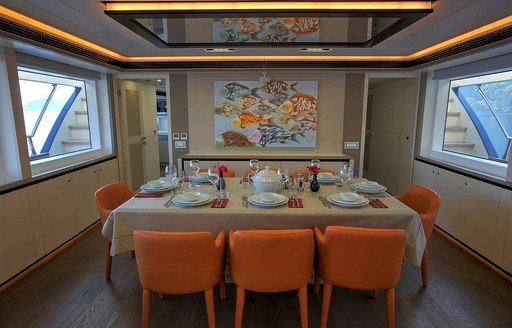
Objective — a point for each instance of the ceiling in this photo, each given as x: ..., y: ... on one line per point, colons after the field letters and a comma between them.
x: 125, y: 49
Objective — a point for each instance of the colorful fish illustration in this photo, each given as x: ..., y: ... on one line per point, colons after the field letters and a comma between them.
x: 236, y: 90
x: 305, y: 25
x: 247, y: 119
x: 299, y: 104
x: 276, y: 86
x: 227, y: 109
x: 270, y: 133
x: 279, y: 29
x: 303, y: 126
x: 261, y: 109
x: 276, y: 38
x: 248, y: 101
x: 234, y: 139
x: 278, y: 98
x: 232, y: 36
x: 227, y: 21
x: 248, y: 26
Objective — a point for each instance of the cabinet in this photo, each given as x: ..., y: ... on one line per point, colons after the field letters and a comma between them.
x: 471, y: 210
x: 36, y: 219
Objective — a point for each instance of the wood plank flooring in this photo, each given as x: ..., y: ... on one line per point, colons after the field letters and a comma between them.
x: 70, y: 291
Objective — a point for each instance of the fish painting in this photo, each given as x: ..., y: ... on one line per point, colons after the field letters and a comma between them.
x: 247, y: 119
x: 273, y: 38
x: 234, y: 139
x: 305, y: 25
x: 299, y: 104
x: 227, y: 21
x: 303, y: 126
x: 278, y: 98
x: 267, y: 134
x: 232, y: 36
x: 248, y: 26
x: 227, y: 109
x: 236, y: 90
x: 279, y: 29
x: 261, y: 109
x: 276, y: 86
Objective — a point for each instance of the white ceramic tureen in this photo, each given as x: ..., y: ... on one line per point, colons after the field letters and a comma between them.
x: 266, y: 180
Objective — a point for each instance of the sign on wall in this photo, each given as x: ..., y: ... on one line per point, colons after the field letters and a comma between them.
x: 265, y: 114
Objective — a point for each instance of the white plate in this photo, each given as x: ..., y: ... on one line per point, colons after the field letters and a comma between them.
x: 330, y: 179
x: 256, y: 200
x: 201, y: 200
x: 336, y: 200
x: 200, y: 177
x: 165, y: 187
x: 360, y: 187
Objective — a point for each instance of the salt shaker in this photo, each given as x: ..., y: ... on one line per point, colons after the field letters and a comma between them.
x: 300, y: 181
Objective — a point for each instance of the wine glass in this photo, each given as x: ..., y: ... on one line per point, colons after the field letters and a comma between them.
x: 212, y: 177
x: 171, y: 172
x: 194, y: 167
x: 254, y: 165
x: 344, y: 176
x: 283, y: 176
x: 315, y: 162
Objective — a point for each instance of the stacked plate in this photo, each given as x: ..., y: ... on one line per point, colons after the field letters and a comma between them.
x: 268, y: 199
x: 369, y: 187
x: 326, y: 177
x: 164, y: 186
x: 348, y: 199
x: 200, y: 177
x: 188, y: 200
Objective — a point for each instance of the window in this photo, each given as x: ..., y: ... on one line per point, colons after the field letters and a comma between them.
x: 55, y: 114
x: 472, y: 123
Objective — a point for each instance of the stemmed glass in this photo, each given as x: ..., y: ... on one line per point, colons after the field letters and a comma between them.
x: 194, y: 167
x: 171, y: 172
x: 212, y: 177
x: 283, y: 176
x: 254, y: 165
x: 345, y: 175
x: 315, y: 162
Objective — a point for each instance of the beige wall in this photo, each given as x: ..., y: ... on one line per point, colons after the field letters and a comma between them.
x: 331, y: 100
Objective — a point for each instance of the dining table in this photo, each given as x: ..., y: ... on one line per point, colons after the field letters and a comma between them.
x: 151, y: 213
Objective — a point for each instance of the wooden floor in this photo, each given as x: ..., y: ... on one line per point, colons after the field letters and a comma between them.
x: 70, y: 291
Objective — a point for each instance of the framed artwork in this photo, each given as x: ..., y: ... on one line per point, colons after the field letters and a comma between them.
x: 266, y: 29
x: 265, y: 114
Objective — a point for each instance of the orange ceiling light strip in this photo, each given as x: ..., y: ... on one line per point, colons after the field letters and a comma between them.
x: 464, y: 37
x: 263, y: 58
x: 262, y: 5
x: 44, y: 28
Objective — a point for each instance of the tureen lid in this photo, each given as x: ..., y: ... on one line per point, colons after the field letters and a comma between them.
x: 266, y: 175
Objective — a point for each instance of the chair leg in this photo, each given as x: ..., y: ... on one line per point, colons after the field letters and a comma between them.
x: 316, y: 288
x: 108, y: 261
x: 303, y: 302
x: 222, y: 288
x: 326, y: 301
x: 210, y: 310
x: 146, y: 306
x: 240, y: 300
x: 390, y: 307
x: 133, y: 253
x: 424, y: 268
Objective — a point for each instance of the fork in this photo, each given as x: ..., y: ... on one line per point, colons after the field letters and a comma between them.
x: 169, y: 202
x: 324, y: 201
x: 244, y: 201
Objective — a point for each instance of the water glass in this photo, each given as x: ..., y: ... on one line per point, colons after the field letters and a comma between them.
x: 194, y: 167
x: 212, y: 177
x: 315, y: 162
x: 171, y: 172
x: 254, y: 165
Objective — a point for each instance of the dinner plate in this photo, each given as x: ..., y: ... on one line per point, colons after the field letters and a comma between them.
x: 165, y: 187
x: 201, y: 200
x: 362, y: 188
x: 328, y: 178
x: 200, y: 177
x: 279, y: 200
x: 336, y: 200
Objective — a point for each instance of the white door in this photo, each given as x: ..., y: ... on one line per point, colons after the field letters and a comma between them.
x: 389, y: 152
x: 139, y: 132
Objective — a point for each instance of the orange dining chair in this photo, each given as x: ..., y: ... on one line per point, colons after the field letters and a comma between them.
x: 304, y: 171
x: 108, y: 198
x: 271, y: 261
x: 426, y: 203
x: 359, y: 258
x: 229, y: 174
x: 180, y: 263
x: 327, y: 171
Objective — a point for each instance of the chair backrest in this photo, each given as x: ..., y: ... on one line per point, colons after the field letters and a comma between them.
x: 328, y: 171
x: 426, y: 202
x: 179, y: 262
x: 360, y: 258
x: 271, y: 260
x: 304, y: 171
x: 229, y: 174
x: 109, y: 197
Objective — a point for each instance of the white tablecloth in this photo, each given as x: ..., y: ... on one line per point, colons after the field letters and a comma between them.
x: 150, y: 214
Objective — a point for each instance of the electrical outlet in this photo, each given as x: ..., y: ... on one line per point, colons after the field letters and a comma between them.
x: 351, y: 145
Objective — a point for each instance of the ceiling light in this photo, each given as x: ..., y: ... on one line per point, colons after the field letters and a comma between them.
x: 219, y: 50
x: 315, y: 49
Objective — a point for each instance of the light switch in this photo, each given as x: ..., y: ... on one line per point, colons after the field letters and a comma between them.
x: 180, y: 144
x: 351, y: 145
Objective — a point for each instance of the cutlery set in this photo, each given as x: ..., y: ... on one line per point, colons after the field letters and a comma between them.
x: 169, y: 202
x: 244, y: 201
x: 324, y: 201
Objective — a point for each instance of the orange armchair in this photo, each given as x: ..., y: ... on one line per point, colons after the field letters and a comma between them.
x: 180, y: 263
x: 359, y: 258
x: 271, y: 261
x: 229, y: 174
x: 108, y: 198
x: 426, y: 203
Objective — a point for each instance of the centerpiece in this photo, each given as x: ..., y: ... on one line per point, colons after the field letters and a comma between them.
x: 314, y: 185
x: 221, y: 183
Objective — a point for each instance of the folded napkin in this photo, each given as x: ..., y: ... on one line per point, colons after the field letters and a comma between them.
x: 149, y: 195
x: 219, y: 203
x: 377, y: 203
x: 297, y: 203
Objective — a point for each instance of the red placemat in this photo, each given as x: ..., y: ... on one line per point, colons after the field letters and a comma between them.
x: 297, y: 203
x: 219, y: 203
x: 149, y: 195
x: 377, y: 203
